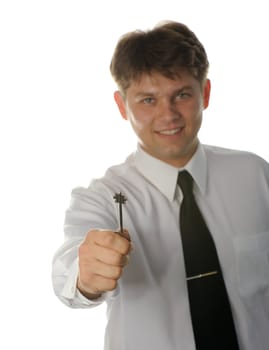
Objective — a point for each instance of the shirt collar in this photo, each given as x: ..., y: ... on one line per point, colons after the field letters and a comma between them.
x: 164, y: 176
x: 197, y: 167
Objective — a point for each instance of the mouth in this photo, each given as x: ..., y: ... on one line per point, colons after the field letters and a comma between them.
x: 170, y: 132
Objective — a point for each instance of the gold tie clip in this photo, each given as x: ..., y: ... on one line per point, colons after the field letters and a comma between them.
x: 202, y: 275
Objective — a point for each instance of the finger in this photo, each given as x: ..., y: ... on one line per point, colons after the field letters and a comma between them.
x: 97, y: 267
x: 103, y: 284
x: 110, y: 257
x: 109, y: 239
x: 96, y: 285
x: 124, y: 233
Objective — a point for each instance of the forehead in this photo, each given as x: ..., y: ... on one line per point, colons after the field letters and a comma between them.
x: 155, y: 82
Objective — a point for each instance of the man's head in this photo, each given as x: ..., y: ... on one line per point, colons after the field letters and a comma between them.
x: 163, y: 89
x: 168, y: 49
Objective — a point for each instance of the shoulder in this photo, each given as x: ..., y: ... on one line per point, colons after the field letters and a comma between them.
x: 226, y: 160
x: 221, y: 154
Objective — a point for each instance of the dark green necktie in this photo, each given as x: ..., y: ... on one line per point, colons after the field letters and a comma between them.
x: 211, y: 314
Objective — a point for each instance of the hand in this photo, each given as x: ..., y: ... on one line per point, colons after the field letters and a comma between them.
x: 102, y: 257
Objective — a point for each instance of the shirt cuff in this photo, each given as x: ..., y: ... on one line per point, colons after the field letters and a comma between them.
x: 71, y: 292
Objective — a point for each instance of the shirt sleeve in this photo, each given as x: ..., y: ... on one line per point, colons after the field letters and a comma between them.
x: 89, y: 209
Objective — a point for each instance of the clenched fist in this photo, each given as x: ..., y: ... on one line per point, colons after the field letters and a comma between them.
x: 102, y: 256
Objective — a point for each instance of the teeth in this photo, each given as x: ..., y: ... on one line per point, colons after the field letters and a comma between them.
x: 170, y: 132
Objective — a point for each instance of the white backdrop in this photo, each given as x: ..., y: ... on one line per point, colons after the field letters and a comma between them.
x: 60, y: 128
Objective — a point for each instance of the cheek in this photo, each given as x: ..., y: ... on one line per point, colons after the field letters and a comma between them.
x: 139, y: 126
x: 140, y: 121
x: 193, y: 116
x: 196, y: 110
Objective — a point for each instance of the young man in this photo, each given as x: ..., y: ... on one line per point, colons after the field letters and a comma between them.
x: 142, y: 271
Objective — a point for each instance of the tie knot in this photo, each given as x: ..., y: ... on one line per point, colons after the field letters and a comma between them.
x: 185, y: 181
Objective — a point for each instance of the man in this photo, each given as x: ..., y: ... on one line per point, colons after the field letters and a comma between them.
x: 141, y: 272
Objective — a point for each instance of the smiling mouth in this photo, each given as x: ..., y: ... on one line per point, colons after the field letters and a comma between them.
x: 170, y: 132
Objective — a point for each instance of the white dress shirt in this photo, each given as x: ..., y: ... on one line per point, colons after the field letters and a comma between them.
x: 149, y: 309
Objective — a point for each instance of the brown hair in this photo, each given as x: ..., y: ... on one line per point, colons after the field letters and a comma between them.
x: 168, y: 49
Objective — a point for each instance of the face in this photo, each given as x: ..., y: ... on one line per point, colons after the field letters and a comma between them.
x: 166, y: 114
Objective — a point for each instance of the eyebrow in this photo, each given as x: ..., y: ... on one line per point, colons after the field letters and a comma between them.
x: 186, y: 87
x: 152, y: 93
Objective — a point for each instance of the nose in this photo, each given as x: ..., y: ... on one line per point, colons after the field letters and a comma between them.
x: 168, y: 110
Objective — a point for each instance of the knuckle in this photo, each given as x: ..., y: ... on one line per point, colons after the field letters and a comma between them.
x: 117, y: 272
x: 126, y: 259
x: 90, y: 236
x: 82, y: 249
x: 108, y: 238
x: 123, y: 260
x: 115, y: 258
x: 111, y: 285
x: 126, y: 247
x: 85, y: 253
x: 125, y: 234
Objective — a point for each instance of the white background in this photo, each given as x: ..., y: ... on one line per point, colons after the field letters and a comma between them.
x: 59, y: 128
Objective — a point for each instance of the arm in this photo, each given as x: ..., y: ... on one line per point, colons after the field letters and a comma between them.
x: 102, y: 257
x: 89, y: 209
x: 83, y: 271
x: 65, y: 273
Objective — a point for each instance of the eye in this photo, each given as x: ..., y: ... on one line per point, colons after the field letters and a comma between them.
x: 183, y: 95
x: 148, y: 100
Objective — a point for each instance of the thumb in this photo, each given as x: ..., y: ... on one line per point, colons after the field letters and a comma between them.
x: 124, y: 233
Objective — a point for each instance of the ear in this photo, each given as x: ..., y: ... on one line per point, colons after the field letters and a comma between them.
x: 206, y: 92
x: 121, y: 104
